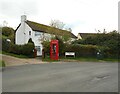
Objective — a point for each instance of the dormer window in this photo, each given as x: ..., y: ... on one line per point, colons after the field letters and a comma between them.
x: 29, y: 32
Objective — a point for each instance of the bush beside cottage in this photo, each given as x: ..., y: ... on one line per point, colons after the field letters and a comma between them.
x: 10, y: 47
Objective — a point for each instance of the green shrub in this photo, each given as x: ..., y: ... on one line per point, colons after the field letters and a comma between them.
x: 109, y: 42
x: 46, y: 45
x: 61, y: 45
x: 5, y: 44
x: 82, y: 50
x: 26, y: 49
x: 7, y: 31
x: 16, y: 49
x: 2, y: 63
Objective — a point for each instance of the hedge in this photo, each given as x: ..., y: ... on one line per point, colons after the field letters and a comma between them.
x: 5, y: 44
x: 82, y: 50
x: 26, y: 49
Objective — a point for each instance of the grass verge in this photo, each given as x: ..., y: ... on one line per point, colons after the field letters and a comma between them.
x: 91, y: 59
x: 2, y: 63
x: 15, y: 55
x: 83, y: 59
x: 47, y: 59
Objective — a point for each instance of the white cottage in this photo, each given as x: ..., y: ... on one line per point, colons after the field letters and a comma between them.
x: 37, y: 32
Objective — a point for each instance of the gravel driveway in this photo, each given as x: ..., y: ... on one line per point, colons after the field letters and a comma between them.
x: 14, y: 61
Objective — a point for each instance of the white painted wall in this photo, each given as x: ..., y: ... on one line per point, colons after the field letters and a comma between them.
x: 22, y: 35
x: 79, y: 36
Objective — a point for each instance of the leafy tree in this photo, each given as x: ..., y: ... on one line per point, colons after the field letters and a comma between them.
x: 46, y: 46
x: 12, y: 38
x: 7, y: 31
x: 65, y: 38
x: 61, y: 45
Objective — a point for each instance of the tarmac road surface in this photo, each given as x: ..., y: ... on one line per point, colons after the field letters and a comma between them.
x: 61, y: 77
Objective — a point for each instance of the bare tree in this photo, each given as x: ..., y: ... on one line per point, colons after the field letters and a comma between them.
x: 57, y: 24
x: 5, y: 23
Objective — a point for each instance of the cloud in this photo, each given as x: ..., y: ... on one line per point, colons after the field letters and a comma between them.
x: 13, y: 8
x: 80, y: 15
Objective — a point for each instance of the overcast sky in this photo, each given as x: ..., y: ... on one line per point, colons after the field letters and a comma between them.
x: 83, y: 16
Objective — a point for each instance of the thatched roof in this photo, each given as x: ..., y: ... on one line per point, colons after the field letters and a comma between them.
x: 48, y: 29
x: 85, y: 35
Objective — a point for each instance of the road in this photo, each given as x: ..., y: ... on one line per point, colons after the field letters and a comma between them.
x: 61, y: 77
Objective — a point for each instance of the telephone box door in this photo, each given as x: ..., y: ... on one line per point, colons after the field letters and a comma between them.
x: 54, y: 50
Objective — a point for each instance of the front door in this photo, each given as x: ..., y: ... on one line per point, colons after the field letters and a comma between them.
x: 39, y: 51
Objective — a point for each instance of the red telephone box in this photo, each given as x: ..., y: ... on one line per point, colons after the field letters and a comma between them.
x: 54, y: 50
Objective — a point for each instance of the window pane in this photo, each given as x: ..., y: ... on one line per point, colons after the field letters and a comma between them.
x: 29, y: 32
x: 37, y: 33
x: 38, y: 48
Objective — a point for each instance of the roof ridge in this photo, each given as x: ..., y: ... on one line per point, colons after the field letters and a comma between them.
x: 47, y: 25
x: 49, y: 29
